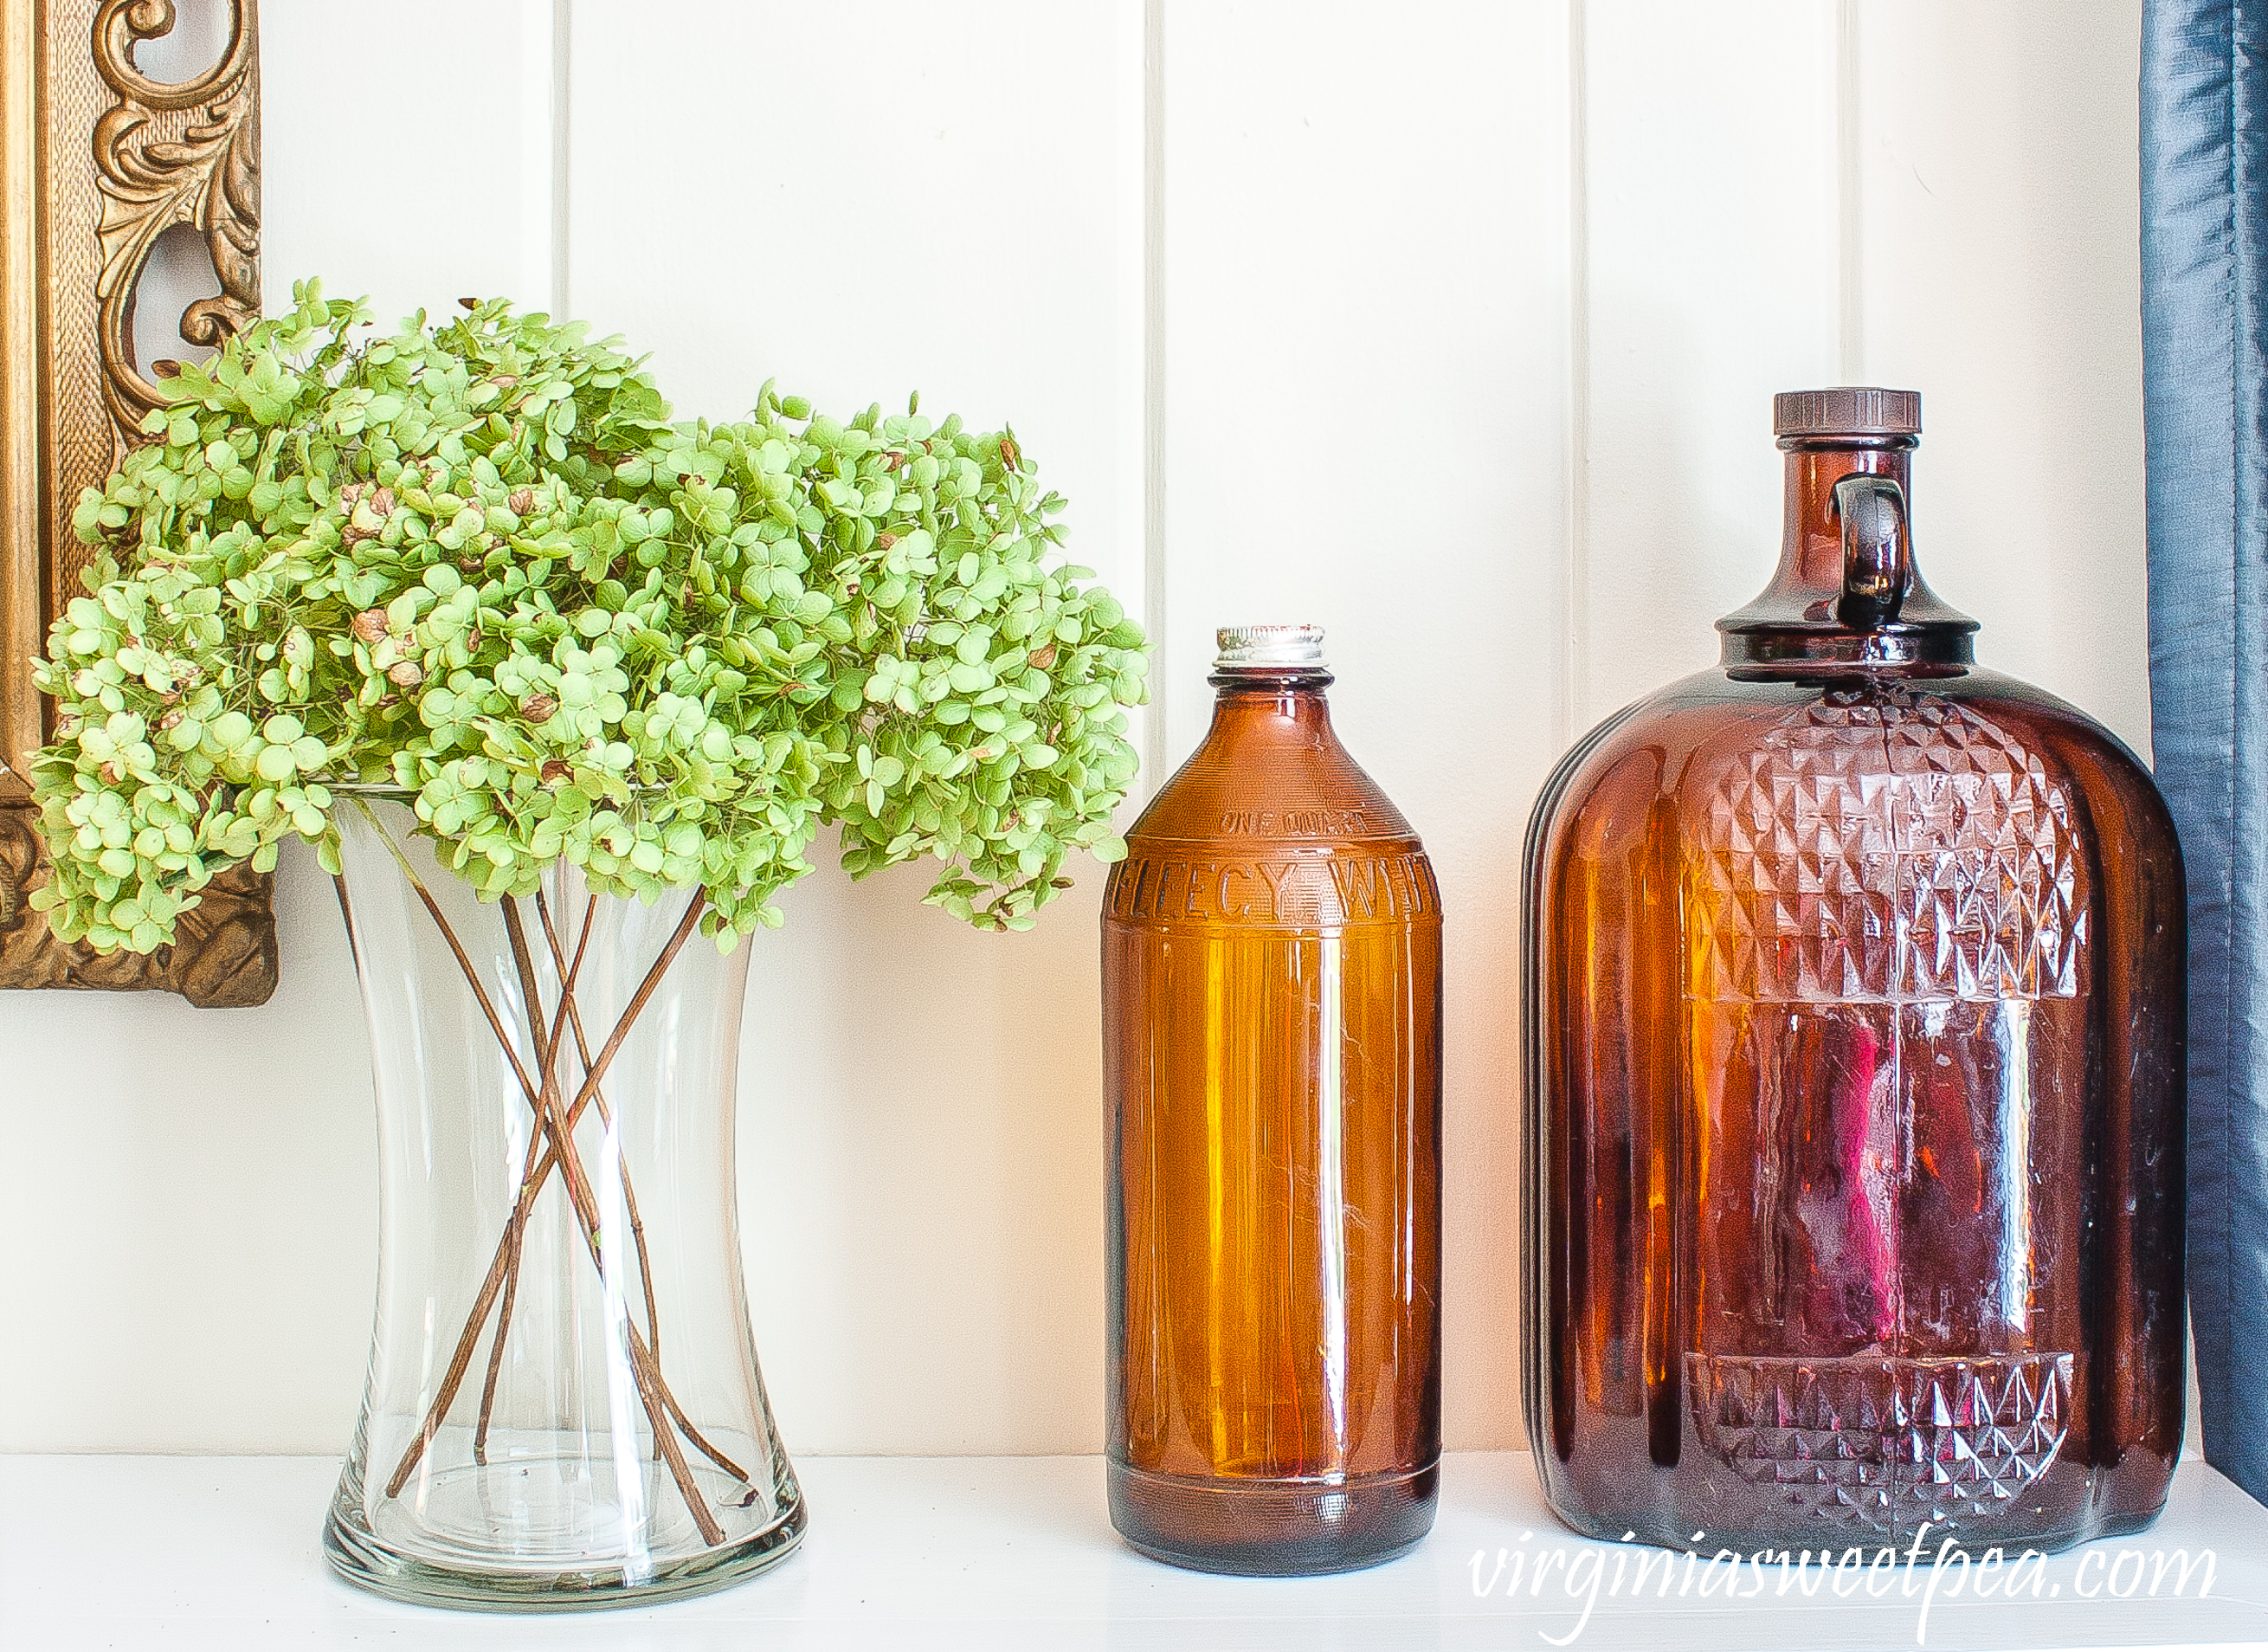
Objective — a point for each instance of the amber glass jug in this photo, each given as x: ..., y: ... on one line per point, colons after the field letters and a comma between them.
x: 1854, y: 1031
x: 1271, y: 971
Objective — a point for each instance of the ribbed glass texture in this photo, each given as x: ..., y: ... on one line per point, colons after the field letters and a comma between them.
x: 563, y: 1407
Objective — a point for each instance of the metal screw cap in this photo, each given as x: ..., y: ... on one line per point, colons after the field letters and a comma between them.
x: 1847, y: 410
x: 1268, y: 645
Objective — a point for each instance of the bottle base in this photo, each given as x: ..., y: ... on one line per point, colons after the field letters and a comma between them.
x: 366, y: 1560
x: 1676, y: 1531
x: 1273, y: 1528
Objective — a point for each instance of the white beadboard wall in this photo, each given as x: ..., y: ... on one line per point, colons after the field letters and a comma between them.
x: 1452, y: 324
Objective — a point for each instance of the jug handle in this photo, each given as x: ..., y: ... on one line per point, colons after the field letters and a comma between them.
x: 1877, y: 559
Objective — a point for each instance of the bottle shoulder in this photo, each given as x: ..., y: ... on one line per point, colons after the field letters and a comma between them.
x: 1289, y: 788
x: 1274, y: 827
x: 1660, y: 760
x: 1717, y: 711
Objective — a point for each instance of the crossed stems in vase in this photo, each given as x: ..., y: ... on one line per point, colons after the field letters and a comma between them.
x: 552, y: 1145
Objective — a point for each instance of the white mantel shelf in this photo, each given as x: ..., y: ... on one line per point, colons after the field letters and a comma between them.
x: 220, y: 1554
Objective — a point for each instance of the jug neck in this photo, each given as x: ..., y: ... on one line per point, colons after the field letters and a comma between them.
x: 1847, y: 591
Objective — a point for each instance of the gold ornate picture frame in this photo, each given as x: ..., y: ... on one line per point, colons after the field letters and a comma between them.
x: 97, y: 162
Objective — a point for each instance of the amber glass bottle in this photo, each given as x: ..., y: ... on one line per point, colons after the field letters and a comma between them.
x: 1854, y: 1019
x: 1271, y: 969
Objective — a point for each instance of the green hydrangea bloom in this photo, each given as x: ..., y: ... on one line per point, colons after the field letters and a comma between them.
x: 477, y: 562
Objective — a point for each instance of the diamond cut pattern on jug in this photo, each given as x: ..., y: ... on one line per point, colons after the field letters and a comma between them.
x: 1886, y: 1445
x: 1881, y: 847
x: 1884, y: 846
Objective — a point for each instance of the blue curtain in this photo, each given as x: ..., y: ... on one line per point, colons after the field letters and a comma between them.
x: 2205, y: 323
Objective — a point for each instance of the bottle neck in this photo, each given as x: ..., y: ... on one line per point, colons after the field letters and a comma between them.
x: 1807, y: 616
x: 1811, y: 530
x: 1247, y: 695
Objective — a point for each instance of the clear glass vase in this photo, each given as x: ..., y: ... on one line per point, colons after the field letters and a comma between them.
x: 563, y: 1407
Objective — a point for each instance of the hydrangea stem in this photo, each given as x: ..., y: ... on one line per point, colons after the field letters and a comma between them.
x: 556, y: 1125
x: 547, y: 1056
x: 637, y: 1224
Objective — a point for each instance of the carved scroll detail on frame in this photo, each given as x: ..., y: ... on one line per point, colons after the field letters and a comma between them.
x: 97, y: 161
x: 166, y: 155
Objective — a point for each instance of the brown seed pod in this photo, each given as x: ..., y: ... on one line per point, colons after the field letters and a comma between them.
x: 521, y: 501
x: 556, y: 772
x: 171, y: 719
x: 883, y: 540
x: 539, y: 708
x: 382, y: 502
x: 406, y: 673
x: 1044, y: 657
x: 370, y: 624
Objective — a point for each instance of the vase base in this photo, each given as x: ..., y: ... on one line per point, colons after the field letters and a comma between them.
x: 516, y: 1585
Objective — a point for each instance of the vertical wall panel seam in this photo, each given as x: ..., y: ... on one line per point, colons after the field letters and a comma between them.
x: 1850, y: 203
x: 562, y: 33
x: 1153, y: 389
x: 1575, y: 619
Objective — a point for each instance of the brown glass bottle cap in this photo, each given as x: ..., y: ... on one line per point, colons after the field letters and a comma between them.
x: 1847, y: 410
x: 1268, y: 645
